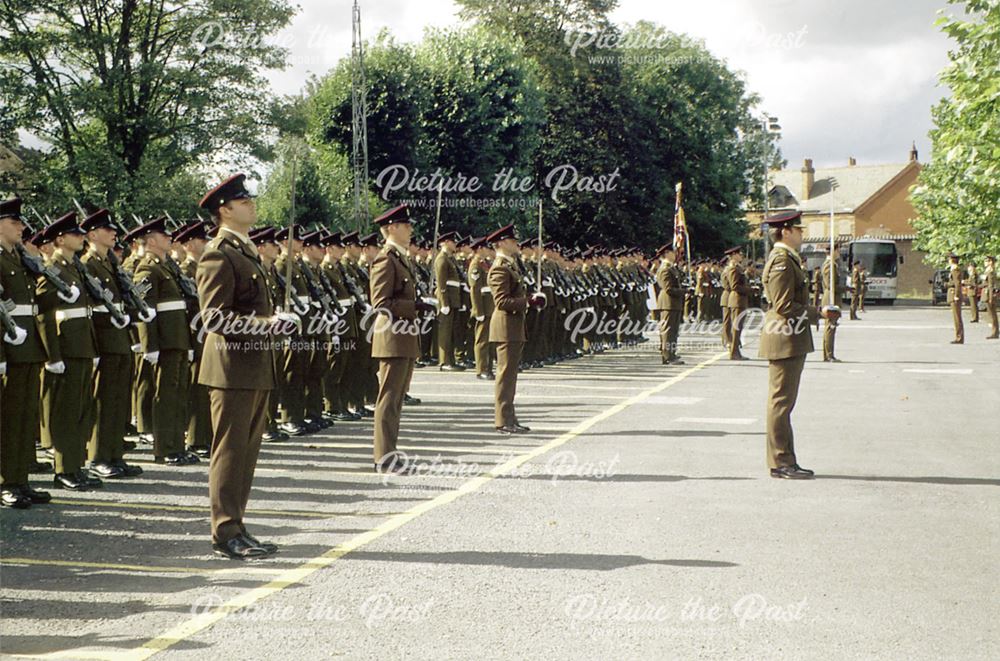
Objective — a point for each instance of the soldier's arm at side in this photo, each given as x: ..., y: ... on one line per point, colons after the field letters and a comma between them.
x: 216, y: 279
x: 48, y: 301
x: 475, y: 293
x: 503, y: 299
x: 384, y: 293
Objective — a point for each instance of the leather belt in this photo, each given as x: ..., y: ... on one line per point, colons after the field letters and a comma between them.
x: 345, y: 302
x: 486, y: 290
x: 453, y: 283
x: 104, y: 309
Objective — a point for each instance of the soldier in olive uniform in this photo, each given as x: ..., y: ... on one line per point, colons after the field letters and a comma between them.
x: 344, y: 353
x: 193, y: 239
x: 482, y: 308
x: 113, y: 376
x: 670, y: 303
x: 68, y: 335
x: 21, y: 357
x: 990, y: 294
x: 395, y: 334
x: 786, y: 339
x: 857, y: 290
x: 955, y: 288
x: 268, y: 251
x: 448, y: 289
x: 507, y: 325
x: 831, y: 297
x: 736, y: 300
x: 972, y: 291
x: 166, y: 346
x: 237, y: 364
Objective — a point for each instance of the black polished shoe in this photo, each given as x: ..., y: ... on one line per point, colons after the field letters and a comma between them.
x: 128, y: 446
x: 13, y: 498
x: 347, y: 416
x: 521, y: 428
x: 367, y: 412
x: 293, y: 429
x: 411, y: 401
x: 485, y: 376
x: 107, y: 470
x: 239, y: 548
x: 791, y: 473
x: 40, y: 467
x: 804, y: 470
x: 130, y: 471
x: 273, y: 437
x: 70, y: 481
x: 177, y: 459
x: 36, y: 497
x: 394, y: 465
x: 201, y: 451
x: 451, y: 368
x: 92, y: 482
x: 509, y: 429
x: 146, y: 439
x: 270, y: 547
x: 676, y: 361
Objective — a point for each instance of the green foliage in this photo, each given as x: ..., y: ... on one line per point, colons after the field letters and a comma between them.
x: 132, y: 96
x: 957, y: 196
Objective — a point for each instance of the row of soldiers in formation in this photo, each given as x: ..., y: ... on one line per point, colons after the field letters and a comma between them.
x: 974, y: 287
x: 102, y: 337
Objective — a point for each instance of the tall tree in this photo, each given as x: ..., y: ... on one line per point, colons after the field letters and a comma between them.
x: 130, y: 93
x: 957, y: 197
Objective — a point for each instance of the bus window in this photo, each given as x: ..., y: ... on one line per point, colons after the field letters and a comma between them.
x: 880, y: 259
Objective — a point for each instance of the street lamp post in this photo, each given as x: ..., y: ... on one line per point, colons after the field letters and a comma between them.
x: 771, y: 127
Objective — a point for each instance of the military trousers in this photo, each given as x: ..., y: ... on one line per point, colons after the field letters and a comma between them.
x: 112, y: 384
x: 171, y: 377
x: 19, y: 410
x: 446, y: 337
x: 991, y: 312
x: 784, y: 376
x: 484, y: 353
x: 508, y: 359
x: 394, y: 378
x: 670, y: 328
x: 68, y: 412
x: 736, y: 319
x: 238, y: 421
x: 956, y: 316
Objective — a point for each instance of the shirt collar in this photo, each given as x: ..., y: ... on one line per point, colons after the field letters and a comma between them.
x: 239, y: 235
x: 400, y: 249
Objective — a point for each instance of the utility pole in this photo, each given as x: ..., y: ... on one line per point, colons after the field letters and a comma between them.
x: 359, y: 125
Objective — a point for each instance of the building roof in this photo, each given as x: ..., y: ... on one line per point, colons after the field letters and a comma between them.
x: 856, y: 184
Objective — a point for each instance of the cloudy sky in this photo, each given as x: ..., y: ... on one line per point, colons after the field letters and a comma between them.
x: 845, y: 77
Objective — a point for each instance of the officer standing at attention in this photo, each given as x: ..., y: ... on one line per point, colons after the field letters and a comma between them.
x: 449, y: 294
x: 670, y: 302
x: 786, y: 338
x: 237, y: 364
x: 507, y: 325
x: 831, y: 297
x: 990, y: 293
x: 395, y: 334
x: 735, y: 301
x: 857, y: 290
x: 21, y: 358
x: 955, y: 297
x: 482, y: 308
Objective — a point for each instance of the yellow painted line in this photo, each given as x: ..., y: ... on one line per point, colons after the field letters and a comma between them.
x: 193, y: 508
x: 296, y: 575
x: 75, y: 564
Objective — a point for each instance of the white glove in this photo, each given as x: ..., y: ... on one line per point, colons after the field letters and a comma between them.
x: 331, y: 319
x: 74, y: 294
x: 300, y: 307
x: 462, y: 309
x: 282, y: 320
x: 368, y: 308
x: 481, y: 317
x: 3, y: 369
x: 20, y: 335
x: 148, y: 316
x: 97, y: 361
x: 123, y: 324
x: 152, y: 357
x: 445, y: 310
x: 190, y: 355
x: 55, y: 368
x: 136, y: 348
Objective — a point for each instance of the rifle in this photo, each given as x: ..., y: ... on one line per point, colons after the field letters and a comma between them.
x: 10, y: 328
x: 189, y: 289
x: 36, y: 267
x: 133, y: 296
x: 99, y: 293
x: 316, y: 292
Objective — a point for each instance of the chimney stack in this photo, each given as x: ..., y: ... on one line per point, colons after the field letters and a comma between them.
x: 808, y: 179
x: 851, y: 162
